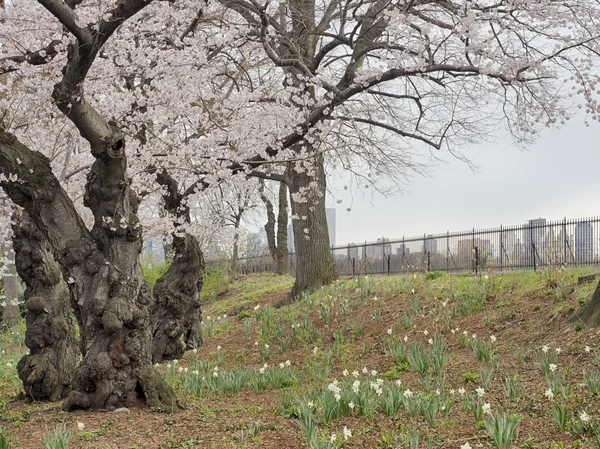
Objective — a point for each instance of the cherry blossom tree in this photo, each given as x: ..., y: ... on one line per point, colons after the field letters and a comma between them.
x: 109, y: 294
x: 369, y: 85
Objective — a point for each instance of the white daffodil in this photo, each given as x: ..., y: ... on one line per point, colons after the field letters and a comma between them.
x: 486, y: 408
x: 347, y: 433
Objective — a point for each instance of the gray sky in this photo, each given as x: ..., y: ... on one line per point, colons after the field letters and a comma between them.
x: 558, y: 176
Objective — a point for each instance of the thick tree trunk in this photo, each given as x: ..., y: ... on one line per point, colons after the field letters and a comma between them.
x: 108, y: 291
x: 281, y: 252
x: 48, y: 369
x: 589, y: 314
x: 314, y: 263
x: 176, y: 312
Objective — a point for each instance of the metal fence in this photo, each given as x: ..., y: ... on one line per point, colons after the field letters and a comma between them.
x: 536, y: 245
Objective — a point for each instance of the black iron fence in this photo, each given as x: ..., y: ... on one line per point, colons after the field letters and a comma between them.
x: 539, y: 244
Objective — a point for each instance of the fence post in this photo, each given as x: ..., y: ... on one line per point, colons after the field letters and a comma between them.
x: 565, y: 239
x: 476, y: 260
x: 388, y: 263
x: 403, y: 254
x: 532, y: 245
x: 428, y: 261
x: 383, y: 254
x: 353, y: 266
x: 501, y: 248
x: 473, y: 249
x: 448, y: 251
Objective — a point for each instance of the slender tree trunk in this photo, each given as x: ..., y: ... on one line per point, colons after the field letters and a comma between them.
x: 589, y: 314
x: 277, y: 242
x: 176, y: 312
x: 111, y: 298
x: 281, y: 252
x: 270, y: 224
x: 48, y: 369
x: 236, y: 244
x: 314, y: 263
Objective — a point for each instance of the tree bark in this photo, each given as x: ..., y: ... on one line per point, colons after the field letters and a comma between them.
x: 176, y: 312
x: 589, y: 314
x: 281, y: 253
x: 277, y: 242
x: 314, y: 262
x: 270, y: 224
x: 108, y: 291
x: 48, y: 369
x: 236, y: 242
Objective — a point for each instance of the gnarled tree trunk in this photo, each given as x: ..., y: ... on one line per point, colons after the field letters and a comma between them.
x: 108, y: 291
x: 314, y: 262
x: 48, y: 369
x: 176, y: 312
x: 589, y: 314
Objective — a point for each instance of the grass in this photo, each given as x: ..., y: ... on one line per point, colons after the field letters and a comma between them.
x: 345, y: 362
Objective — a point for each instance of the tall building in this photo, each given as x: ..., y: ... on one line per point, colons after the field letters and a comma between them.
x: 584, y: 242
x: 402, y: 250
x: 353, y: 251
x: 430, y: 245
x: 534, y: 236
x: 154, y: 250
x: 509, y: 242
x: 378, y: 250
x: 290, y: 239
x: 330, y: 214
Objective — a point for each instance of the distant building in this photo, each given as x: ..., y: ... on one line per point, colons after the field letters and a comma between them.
x: 257, y: 244
x: 154, y: 250
x: 290, y: 239
x: 402, y: 250
x: 534, y: 240
x: 584, y: 242
x: 430, y: 245
x: 509, y: 244
x: 330, y: 214
x: 353, y: 251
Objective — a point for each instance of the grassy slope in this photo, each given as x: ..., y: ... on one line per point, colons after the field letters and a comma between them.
x: 348, y: 325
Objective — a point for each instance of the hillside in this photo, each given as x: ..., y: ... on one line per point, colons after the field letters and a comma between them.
x: 394, y: 361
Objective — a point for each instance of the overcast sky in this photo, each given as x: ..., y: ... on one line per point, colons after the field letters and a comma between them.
x: 558, y: 176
